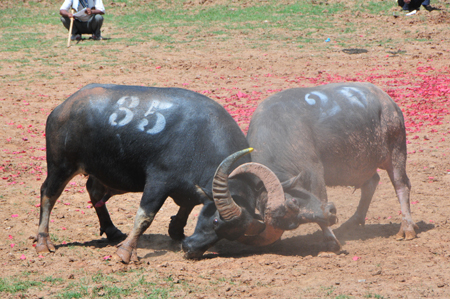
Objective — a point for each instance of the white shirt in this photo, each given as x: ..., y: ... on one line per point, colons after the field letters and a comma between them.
x: 75, y: 4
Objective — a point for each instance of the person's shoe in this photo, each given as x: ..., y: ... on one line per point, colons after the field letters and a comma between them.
x: 76, y: 37
x: 428, y: 7
x: 94, y: 37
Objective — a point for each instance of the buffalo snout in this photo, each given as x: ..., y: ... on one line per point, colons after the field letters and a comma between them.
x: 192, y: 252
x: 330, y: 213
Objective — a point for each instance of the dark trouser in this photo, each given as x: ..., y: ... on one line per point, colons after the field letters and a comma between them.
x: 414, y: 4
x: 92, y: 26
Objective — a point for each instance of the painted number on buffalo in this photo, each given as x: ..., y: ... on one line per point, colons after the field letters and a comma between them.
x: 125, y: 114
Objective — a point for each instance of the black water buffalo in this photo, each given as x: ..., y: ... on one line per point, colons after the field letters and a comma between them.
x: 334, y: 135
x: 162, y: 142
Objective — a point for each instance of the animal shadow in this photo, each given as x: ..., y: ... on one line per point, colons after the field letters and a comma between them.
x: 370, y: 231
x: 157, y: 242
x: 98, y: 243
x: 300, y: 245
x: 90, y: 38
x: 310, y: 244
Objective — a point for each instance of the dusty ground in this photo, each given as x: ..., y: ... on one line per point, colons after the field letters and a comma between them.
x: 372, y: 263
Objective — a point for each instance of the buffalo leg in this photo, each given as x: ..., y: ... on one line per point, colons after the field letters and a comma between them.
x: 149, y: 206
x: 319, y: 189
x: 51, y: 189
x: 99, y: 193
x: 402, y: 187
x: 178, y: 222
x: 367, y: 191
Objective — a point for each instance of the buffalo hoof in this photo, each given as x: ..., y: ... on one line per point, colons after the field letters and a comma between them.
x: 332, y: 245
x: 44, y: 244
x: 113, y: 234
x: 126, y: 253
x: 407, y: 231
x: 193, y: 255
x: 175, y: 231
x: 353, y: 222
x: 177, y: 236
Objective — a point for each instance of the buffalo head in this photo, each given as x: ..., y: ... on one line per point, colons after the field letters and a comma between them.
x: 231, y: 215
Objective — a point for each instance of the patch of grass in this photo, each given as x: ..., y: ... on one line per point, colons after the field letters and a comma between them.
x: 15, y: 285
x: 373, y: 7
x: 328, y: 290
x: 130, y: 284
x: 75, y: 290
x: 71, y: 294
x: 370, y: 295
x: 256, y: 19
x: 52, y: 280
x: 162, y: 38
x: 159, y: 293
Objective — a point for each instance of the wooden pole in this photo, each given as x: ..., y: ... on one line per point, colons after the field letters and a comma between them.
x: 70, y: 29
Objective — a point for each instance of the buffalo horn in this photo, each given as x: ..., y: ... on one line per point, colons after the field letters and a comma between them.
x: 275, y: 198
x: 225, y: 204
x: 275, y: 193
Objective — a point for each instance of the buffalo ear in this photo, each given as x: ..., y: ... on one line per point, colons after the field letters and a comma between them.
x: 255, y: 228
x: 302, y: 180
x: 203, y: 193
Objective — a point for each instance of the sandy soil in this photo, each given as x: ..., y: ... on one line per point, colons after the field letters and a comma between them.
x: 372, y: 264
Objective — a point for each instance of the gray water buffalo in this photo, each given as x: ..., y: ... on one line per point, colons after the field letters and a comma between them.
x: 334, y: 135
x: 162, y: 142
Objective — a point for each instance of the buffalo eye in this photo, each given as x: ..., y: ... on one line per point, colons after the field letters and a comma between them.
x: 215, y: 222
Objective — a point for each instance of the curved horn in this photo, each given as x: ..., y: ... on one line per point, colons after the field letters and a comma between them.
x: 275, y: 199
x: 275, y: 193
x: 225, y: 204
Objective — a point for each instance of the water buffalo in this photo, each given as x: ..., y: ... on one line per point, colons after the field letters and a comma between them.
x: 334, y: 135
x: 162, y: 142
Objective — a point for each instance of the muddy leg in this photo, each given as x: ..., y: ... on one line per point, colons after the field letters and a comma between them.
x: 367, y: 191
x: 99, y: 193
x: 402, y: 187
x: 50, y: 191
x: 150, y: 205
x: 178, y: 222
x: 319, y: 189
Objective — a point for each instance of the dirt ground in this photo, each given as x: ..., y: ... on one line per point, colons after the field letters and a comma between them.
x: 372, y: 264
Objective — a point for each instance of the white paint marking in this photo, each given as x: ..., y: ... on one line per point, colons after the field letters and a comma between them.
x: 142, y: 123
x: 309, y: 100
x: 352, y: 93
x: 159, y: 125
x: 128, y: 117
x: 334, y: 110
x: 157, y: 105
x: 133, y: 102
x: 322, y: 97
x: 112, y: 119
